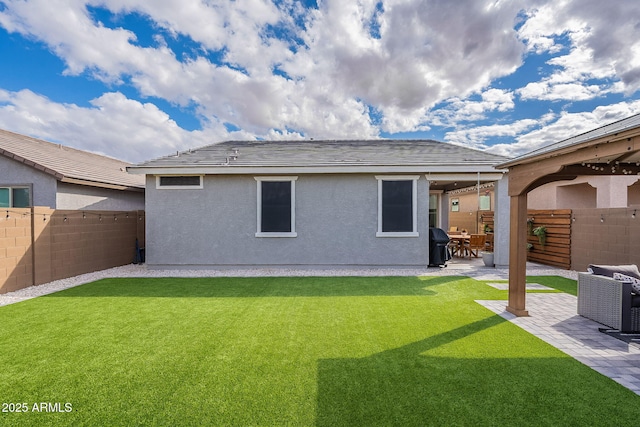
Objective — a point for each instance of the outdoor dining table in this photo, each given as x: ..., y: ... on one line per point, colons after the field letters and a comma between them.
x: 458, y: 241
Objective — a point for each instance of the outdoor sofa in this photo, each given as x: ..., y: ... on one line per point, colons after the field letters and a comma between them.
x: 610, y: 294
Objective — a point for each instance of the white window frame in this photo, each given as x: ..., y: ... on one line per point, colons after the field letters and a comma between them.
x: 438, y: 194
x: 179, y: 187
x: 487, y: 199
x: 292, y: 180
x: 414, y: 232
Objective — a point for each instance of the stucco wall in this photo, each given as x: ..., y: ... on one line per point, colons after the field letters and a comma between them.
x: 633, y: 195
x: 467, y: 217
x: 73, y: 196
x: 336, y: 224
x: 502, y: 224
x: 577, y: 196
x: 585, y: 192
x: 43, y: 185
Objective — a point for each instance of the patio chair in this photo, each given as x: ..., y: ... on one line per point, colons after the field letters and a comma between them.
x: 454, y: 247
x: 489, y: 243
x: 609, y: 301
x: 475, y: 244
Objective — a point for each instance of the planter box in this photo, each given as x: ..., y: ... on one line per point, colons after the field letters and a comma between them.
x: 487, y: 258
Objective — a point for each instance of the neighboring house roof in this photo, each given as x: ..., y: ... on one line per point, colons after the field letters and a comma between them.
x: 68, y: 164
x: 592, y: 137
x: 308, y: 156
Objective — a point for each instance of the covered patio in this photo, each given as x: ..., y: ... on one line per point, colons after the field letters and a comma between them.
x: 612, y: 150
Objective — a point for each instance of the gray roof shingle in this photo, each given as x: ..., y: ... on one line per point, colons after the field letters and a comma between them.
x: 66, y: 163
x: 309, y: 153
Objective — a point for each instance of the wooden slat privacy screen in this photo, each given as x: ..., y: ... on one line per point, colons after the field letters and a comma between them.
x: 557, y: 249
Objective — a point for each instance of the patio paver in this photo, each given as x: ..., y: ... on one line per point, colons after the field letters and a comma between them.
x: 554, y: 319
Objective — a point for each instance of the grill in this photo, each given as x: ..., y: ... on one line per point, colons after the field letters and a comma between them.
x: 438, y: 247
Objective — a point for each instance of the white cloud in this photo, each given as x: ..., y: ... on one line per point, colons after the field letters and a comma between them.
x: 571, y: 79
x: 426, y: 52
x: 115, y: 126
x: 478, y: 136
x: 65, y: 26
x: 558, y: 128
x: 531, y: 134
x: 547, y: 91
x: 250, y: 97
x: 417, y: 61
x: 458, y: 111
x: 602, y: 44
x: 344, y: 60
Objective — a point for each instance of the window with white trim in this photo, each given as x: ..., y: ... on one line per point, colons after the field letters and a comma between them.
x: 15, y: 197
x: 434, y: 210
x: 397, y: 206
x: 484, y: 202
x: 276, y: 206
x: 172, y: 182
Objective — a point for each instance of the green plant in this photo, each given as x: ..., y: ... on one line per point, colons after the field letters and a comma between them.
x: 530, y: 225
x: 541, y: 232
x: 487, y: 228
x: 529, y: 246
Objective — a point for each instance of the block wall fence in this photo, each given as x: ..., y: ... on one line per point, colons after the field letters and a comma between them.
x: 605, y: 236
x: 39, y: 245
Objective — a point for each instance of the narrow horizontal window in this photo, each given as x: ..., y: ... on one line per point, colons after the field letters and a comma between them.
x: 179, y: 181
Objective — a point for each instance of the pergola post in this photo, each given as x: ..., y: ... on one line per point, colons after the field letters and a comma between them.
x: 518, y: 255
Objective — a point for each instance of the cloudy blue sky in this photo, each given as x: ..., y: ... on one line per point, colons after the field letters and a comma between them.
x: 138, y: 79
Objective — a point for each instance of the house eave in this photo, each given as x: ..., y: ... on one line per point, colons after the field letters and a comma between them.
x: 32, y: 164
x: 110, y: 186
x: 63, y: 178
x: 329, y: 169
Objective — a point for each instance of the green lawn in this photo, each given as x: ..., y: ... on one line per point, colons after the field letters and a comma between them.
x: 560, y: 283
x: 290, y: 351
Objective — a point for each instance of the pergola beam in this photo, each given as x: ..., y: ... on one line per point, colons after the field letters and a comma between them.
x: 602, y: 169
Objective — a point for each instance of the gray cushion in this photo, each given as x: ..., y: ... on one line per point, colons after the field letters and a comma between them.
x: 608, y: 270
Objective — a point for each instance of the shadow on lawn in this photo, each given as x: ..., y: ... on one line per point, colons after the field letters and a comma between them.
x: 409, y: 386
x: 252, y: 287
x: 391, y: 387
